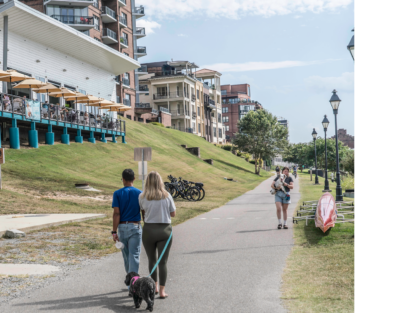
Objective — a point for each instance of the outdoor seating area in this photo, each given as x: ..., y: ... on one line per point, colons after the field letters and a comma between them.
x: 66, y: 115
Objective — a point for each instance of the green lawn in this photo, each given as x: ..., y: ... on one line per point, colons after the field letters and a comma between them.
x: 42, y: 181
x: 319, y: 273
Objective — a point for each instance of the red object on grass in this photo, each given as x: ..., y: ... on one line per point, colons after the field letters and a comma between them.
x: 326, y: 213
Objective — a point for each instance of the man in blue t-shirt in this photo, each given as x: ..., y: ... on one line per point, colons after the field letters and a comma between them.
x: 126, y: 219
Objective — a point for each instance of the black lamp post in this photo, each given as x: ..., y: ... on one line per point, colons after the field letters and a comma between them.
x: 325, y: 124
x: 314, y: 134
x: 350, y: 46
x: 335, y: 102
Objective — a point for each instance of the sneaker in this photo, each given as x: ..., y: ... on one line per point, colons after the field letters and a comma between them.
x: 279, y: 226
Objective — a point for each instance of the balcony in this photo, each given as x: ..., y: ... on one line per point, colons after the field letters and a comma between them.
x: 138, y: 12
x: 77, y: 22
x: 127, y: 102
x: 194, y: 115
x: 124, y: 42
x: 109, y: 37
x: 122, y: 2
x: 180, y: 114
x: 141, y: 52
x: 169, y: 95
x: 211, y: 104
x: 126, y: 82
x: 140, y: 32
x: 122, y: 21
x: 193, y: 98
x: 68, y: 3
x: 108, y: 15
x: 117, y: 79
x: 143, y: 89
x: 142, y: 70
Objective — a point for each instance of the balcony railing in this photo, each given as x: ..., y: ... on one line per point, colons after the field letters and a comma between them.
x: 117, y: 78
x: 154, y: 111
x: 126, y: 81
x: 211, y: 102
x: 165, y: 110
x: 141, y: 50
x: 127, y: 102
x: 193, y: 97
x: 194, y: 115
x: 140, y: 31
x: 139, y: 10
x: 123, y: 41
x: 74, y: 20
x: 143, y: 88
x: 142, y: 105
x: 171, y: 94
x: 245, y: 111
x: 122, y: 19
x: 108, y: 32
x: 180, y: 112
x: 108, y: 11
x: 172, y: 73
x: 239, y: 100
x: 15, y: 105
x: 142, y: 69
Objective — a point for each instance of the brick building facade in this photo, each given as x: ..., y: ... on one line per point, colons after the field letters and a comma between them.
x: 345, y: 138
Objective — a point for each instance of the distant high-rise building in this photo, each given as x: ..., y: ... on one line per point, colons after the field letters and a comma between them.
x: 345, y: 138
x: 284, y: 122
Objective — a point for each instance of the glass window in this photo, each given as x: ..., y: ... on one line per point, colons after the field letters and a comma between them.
x: 215, y: 131
x: 223, y: 92
x: 198, y: 94
x: 227, y: 128
x: 224, y: 110
x: 198, y: 111
x: 96, y: 22
x: 199, y: 127
x: 225, y: 119
x: 220, y: 132
x: 219, y: 117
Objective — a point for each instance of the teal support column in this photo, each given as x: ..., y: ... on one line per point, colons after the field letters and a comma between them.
x: 123, y: 139
x: 103, y: 138
x: 91, y: 138
x: 113, y: 139
x: 50, y: 135
x: 14, y: 135
x: 65, y: 136
x: 33, y: 136
x: 79, y: 137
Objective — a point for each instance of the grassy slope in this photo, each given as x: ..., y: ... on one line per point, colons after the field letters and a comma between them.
x: 42, y: 181
x: 319, y: 274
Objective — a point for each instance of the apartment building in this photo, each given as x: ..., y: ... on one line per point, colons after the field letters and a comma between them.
x: 173, y: 93
x: 236, y: 103
x: 111, y: 22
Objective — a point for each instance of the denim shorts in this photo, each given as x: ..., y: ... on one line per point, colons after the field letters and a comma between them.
x: 280, y: 196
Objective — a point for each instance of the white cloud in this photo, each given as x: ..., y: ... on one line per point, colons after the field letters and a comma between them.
x: 182, y: 35
x: 297, y: 16
x: 238, y: 8
x: 149, y: 25
x: 257, y: 66
x: 344, y: 83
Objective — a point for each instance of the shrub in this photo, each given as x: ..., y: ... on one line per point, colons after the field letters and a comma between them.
x: 348, y: 182
x: 252, y: 161
x: 239, y: 154
x: 157, y: 124
x: 227, y: 147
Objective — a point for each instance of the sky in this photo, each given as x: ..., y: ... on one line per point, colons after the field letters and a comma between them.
x: 293, y: 53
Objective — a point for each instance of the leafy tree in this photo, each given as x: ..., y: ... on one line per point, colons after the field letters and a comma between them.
x: 261, y: 135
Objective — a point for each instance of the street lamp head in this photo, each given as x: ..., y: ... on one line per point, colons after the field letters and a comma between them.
x: 335, y: 101
x: 314, y: 134
x: 325, y: 123
x: 350, y: 46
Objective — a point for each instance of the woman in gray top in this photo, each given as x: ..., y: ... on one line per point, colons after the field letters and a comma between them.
x: 157, y: 208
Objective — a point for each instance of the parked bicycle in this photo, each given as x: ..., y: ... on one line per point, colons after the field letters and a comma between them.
x: 188, y: 190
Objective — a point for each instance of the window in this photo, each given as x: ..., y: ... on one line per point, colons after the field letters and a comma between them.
x: 162, y: 91
x: 225, y: 119
x: 224, y: 110
x: 96, y: 3
x: 41, y: 96
x: 198, y: 94
x: 199, y: 127
x: 220, y: 132
x: 248, y: 91
x: 219, y: 117
x: 215, y: 131
x: 198, y: 111
x: 96, y: 22
x: 223, y: 92
x: 125, y: 79
x: 124, y: 17
x: 227, y: 128
x: 194, y: 126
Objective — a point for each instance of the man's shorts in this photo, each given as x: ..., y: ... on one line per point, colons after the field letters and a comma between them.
x: 280, y: 196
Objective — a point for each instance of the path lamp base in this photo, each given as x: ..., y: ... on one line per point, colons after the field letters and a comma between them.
x: 327, y: 190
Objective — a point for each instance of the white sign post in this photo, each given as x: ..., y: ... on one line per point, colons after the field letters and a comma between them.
x: 2, y: 161
x: 142, y: 155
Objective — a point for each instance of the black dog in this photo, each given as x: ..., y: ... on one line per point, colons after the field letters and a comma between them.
x: 141, y: 288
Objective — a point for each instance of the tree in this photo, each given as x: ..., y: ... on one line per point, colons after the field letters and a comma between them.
x: 261, y: 135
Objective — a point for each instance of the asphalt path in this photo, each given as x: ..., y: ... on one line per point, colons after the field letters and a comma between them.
x: 230, y: 259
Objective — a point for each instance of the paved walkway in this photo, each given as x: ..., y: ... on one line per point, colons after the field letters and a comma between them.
x: 227, y: 260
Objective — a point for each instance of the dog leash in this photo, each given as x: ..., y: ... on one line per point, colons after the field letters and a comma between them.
x: 162, y: 253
